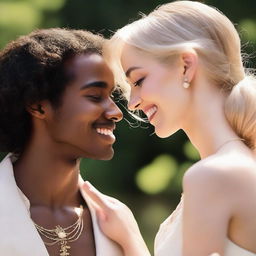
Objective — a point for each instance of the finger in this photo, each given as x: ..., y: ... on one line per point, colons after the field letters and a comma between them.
x: 112, y: 199
x: 94, y: 194
x: 103, y: 196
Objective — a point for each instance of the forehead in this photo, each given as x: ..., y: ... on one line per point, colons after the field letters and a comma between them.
x: 132, y: 56
x: 89, y: 67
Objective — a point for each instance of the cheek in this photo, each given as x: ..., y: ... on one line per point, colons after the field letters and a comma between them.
x: 149, y: 92
x: 172, y: 91
x: 76, y: 117
x: 159, y: 83
x: 81, y: 110
x: 152, y: 88
x: 174, y: 100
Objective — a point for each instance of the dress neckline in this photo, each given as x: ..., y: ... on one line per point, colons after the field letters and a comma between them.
x: 176, y: 216
x: 238, y: 247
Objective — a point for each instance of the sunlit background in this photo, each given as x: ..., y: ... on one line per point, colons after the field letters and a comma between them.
x: 146, y: 171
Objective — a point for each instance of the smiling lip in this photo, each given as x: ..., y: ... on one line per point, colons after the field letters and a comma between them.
x: 150, y: 112
x: 106, y: 133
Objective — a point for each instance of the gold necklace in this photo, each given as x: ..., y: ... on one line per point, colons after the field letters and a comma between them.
x: 226, y: 142
x: 63, y: 235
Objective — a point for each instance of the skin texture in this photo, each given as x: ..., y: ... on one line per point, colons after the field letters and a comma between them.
x: 220, y: 189
x: 48, y: 169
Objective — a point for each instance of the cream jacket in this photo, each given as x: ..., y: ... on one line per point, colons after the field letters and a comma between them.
x: 18, y: 235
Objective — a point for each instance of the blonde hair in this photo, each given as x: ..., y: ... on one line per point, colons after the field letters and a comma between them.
x: 175, y: 27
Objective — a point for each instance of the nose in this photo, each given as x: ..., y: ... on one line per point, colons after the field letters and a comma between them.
x: 114, y: 112
x: 134, y: 101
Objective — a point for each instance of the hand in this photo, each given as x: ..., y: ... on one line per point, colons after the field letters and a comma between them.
x: 117, y: 222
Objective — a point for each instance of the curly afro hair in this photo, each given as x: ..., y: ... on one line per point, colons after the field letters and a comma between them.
x: 32, y: 69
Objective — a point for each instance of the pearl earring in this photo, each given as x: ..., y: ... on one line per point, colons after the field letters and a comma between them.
x: 186, y: 83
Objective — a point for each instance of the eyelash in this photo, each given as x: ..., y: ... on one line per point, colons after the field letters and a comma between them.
x: 99, y: 98
x: 138, y: 82
x: 95, y: 98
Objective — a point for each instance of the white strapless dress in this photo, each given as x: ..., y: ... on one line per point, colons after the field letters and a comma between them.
x: 168, y: 240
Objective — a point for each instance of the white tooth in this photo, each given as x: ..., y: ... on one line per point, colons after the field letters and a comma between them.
x: 100, y: 131
x: 105, y: 131
x: 151, y: 111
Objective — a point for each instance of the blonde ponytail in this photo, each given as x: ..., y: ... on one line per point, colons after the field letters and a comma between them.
x: 240, y: 109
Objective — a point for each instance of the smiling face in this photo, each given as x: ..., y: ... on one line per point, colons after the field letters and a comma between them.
x: 83, y: 125
x: 156, y: 89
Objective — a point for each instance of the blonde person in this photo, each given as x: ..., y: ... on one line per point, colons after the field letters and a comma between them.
x: 184, y: 70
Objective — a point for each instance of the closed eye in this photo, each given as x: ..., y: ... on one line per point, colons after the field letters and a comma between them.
x: 96, y: 98
x: 139, y: 82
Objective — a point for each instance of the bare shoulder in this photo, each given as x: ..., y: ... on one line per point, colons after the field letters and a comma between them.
x: 224, y: 175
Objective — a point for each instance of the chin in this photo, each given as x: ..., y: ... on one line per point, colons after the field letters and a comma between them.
x: 106, y: 155
x: 105, y: 152
x: 161, y: 133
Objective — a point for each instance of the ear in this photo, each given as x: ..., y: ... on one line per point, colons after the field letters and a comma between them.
x: 37, y: 110
x: 190, y: 63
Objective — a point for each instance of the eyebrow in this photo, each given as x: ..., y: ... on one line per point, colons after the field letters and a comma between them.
x: 128, y: 72
x: 97, y: 84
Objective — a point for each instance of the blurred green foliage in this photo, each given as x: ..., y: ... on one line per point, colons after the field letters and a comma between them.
x: 156, y: 176
x: 146, y: 172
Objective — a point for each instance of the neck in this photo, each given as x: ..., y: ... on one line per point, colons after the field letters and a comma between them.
x: 47, y: 177
x: 206, y: 125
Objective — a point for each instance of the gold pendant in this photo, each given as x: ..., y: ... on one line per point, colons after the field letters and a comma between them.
x: 64, y: 248
x: 60, y: 232
x: 63, y: 242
